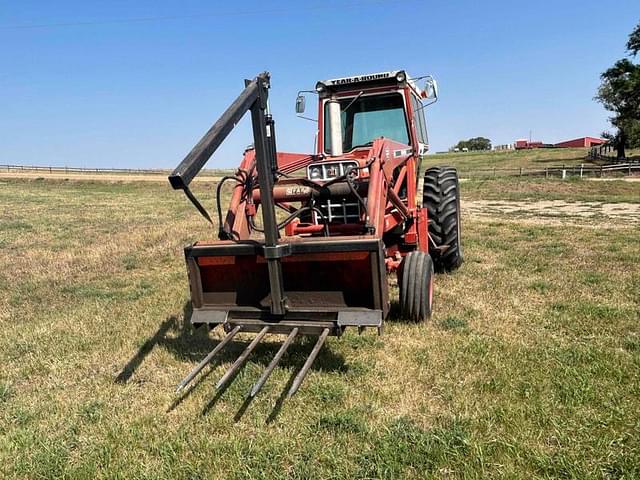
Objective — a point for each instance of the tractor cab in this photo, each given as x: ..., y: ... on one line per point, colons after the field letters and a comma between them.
x: 354, y: 111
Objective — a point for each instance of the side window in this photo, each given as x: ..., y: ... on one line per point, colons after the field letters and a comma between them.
x: 418, y: 118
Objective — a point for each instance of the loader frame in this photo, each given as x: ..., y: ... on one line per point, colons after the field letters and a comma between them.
x: 254, y: 99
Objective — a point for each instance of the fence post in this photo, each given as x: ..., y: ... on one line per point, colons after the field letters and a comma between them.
x: 546, y: 172
x: 581, y: 168
x: 494, y: 171
x: 520, y: 171
x: 600, y: 171
x: 629, y: 165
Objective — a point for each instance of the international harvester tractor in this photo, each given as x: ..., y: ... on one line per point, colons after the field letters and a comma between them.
x: 309, y: 241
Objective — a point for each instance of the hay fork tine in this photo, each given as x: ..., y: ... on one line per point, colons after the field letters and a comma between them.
x: 265, y: 375
x: 242, y: 358
x: 208, y: 358
x: 305, y: 368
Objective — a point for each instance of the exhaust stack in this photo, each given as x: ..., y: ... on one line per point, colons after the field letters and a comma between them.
x: 335, y: 127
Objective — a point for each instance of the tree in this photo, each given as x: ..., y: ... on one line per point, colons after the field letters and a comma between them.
x: 633, y: 45
x: 476, y: 143
x: 619, y: 93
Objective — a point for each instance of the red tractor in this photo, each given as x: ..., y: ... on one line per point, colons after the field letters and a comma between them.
x: 350, y: 217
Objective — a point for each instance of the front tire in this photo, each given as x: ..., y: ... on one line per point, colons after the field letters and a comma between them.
x: 441, y: 198
x: 416, y: 286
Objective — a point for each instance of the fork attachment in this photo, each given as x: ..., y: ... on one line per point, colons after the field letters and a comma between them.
x: 241, y: 360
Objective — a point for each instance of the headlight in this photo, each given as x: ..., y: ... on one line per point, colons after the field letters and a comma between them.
x: 315, y: 173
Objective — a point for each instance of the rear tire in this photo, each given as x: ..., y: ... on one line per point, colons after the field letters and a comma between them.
x: 441, y: 198
x: 416, y: 286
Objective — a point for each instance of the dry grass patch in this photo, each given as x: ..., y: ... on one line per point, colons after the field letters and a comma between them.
x: 536, y: 158
x: 541, y: 189
x: 530, y: 366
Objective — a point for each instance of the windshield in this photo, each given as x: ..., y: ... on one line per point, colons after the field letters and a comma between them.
x: 369, y: 118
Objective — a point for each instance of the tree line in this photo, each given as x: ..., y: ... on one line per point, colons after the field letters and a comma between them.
x: 619, y: 93
x: 476, y: 143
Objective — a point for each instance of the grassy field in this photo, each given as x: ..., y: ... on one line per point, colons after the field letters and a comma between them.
x: 531, y: 189
x: 466, y: 162
x: 535, y: 158
x: 530, y: 367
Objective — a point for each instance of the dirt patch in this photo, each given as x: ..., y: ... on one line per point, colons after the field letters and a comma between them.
x: 619, y: 212
x: 615, y: 179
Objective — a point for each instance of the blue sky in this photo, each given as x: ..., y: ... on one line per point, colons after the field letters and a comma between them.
x: 136, y: 84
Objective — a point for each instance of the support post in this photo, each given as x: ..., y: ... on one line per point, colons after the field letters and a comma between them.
x: 264, y: 162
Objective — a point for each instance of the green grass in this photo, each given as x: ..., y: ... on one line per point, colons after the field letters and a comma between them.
x: 532, y: 189
x: 529, y: 368
x: 535, y: 158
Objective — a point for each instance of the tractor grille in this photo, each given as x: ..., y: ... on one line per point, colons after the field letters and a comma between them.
x: 339, y: 212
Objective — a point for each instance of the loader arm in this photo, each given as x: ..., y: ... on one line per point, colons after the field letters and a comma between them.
x: 253, y: 98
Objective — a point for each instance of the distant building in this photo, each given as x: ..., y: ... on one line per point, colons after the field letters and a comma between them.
x: 523, y: 144
x: 508, y: 146
x: 581, y: 142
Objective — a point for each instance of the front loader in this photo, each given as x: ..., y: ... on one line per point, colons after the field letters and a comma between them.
x: 349, y: 216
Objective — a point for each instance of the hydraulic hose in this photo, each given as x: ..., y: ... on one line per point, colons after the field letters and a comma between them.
x: 222, y: 235
x: 291, y: 217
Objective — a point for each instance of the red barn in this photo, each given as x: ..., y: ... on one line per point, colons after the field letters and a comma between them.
x: 523, y: 144
x: 581, y: 142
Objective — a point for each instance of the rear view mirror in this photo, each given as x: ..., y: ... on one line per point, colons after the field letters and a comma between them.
x: 300, y: 104
x: 431, y: 88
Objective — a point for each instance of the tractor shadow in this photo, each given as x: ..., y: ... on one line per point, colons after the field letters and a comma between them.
x: 174, y: 334
x: 188, y: 344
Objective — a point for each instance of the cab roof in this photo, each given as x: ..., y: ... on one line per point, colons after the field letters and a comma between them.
x: 370, y: 80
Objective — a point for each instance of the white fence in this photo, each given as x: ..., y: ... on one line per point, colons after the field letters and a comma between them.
x: 563, y: 171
